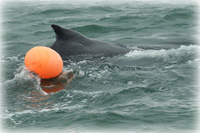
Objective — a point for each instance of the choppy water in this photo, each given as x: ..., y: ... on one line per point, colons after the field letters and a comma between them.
x: 144, y: 90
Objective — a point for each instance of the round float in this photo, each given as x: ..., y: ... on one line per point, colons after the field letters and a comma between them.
x: 44, y: 61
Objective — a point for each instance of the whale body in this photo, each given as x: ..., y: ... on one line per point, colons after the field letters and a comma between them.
x: 69, y: 43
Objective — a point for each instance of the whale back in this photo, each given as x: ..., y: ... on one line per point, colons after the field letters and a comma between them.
x: 69, y: 42
x: 64, y: 34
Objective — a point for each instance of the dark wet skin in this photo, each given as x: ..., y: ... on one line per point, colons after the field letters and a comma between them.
x: 69, y: 42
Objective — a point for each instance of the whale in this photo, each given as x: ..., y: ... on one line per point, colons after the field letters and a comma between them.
x: 69, y: 43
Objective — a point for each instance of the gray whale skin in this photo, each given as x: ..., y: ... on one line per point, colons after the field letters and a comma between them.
x: 69, y: 43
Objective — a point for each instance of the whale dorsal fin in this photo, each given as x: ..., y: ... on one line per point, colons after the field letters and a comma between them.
x: 64, y: 34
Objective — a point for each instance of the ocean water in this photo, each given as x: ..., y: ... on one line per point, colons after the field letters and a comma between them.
x: 153, y: 88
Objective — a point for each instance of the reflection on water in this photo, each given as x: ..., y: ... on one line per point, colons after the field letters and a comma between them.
x: 58, y: 83
x: 31, y: 92
x: 40, y: 98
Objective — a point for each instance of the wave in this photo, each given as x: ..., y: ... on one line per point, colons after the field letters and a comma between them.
x: 179, y: 13
x: 183, y: 52
x: 103, y: 9
x: 63, y: 11
x: 94, y: 28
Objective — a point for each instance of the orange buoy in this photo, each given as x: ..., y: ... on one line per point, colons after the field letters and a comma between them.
x: 44, y: 61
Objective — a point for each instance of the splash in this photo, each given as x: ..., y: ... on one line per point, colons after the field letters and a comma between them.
x: 166, y: 55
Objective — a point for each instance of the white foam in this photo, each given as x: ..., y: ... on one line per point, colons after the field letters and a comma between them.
x: 138, y: 54
x: 80, y: 73
x: 94, y: 94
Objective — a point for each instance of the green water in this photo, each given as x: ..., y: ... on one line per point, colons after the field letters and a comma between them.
x: 144, y: 90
